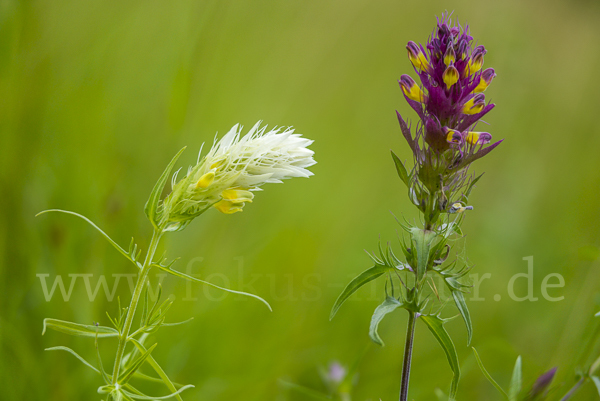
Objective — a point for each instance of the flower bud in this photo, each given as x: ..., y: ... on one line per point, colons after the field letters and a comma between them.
x: 237, y: 195
x: 228, y: 207
x: 411, y: 89
x: 541, y: 385
x: 206, y: 180
x: 476, y: 61
x: 453, y: 136
x: 485, y: 80
x: 459, y: 208
x: 450, y: 56
x: 461, y: 49
x: 480, y: 138
x: 417, y: 57
x: 475, y: 104
x: 450, y: 76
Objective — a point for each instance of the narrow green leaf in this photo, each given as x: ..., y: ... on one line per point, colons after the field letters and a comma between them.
x: 360, y: 280
x: 471, y: 185
x: 125, y: 376
x: 76, y: 329
x: 305, y: 391
x: 159, y: 371
x: 402, y: 173
x: 436, y: 326
x: 596, y: 381
x: 138, y: 395
x: 459, y: 300
x: 423, y: 240
x: 389, y: 305
x: 69, y: 350
x: 594, y: 366
x: 185, y: 276
x: 125, y: 396
x: 99, y: 360
x: 488, y: 376
x: 516, y: 382
x: 142, y: 376
x: 151, y: 207
x: 105, y: 235
x: 177, y: 323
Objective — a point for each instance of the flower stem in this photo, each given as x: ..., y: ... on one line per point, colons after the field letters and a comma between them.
x: 137, y: 292
x: 410, y: 336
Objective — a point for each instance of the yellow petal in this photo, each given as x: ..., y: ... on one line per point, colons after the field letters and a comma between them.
x: 450, y: 76
x: 228, y: 207
x: 206, y: 180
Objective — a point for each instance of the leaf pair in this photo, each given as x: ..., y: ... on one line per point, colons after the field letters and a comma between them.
x: 434, y: 323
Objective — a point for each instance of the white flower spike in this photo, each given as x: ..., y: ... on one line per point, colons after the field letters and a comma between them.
x: 234, y: 167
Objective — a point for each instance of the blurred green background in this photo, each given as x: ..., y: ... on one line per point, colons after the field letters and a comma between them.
x: 96, y: 97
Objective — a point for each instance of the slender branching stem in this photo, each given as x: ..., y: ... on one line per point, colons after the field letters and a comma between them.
x: 137, y: 292
x: 410, y: 336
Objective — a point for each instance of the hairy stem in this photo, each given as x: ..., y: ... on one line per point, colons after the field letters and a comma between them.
x: 139, y: 287
x: 410, y: 336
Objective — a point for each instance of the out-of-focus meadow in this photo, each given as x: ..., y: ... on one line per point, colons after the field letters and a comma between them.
x: 96, y: 97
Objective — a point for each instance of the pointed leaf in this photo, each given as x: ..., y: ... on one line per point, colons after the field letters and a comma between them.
x: 185, y: 276
x: 142, y: 376
x: 177, y: 323
x: 459, y: 300
x: 471, y: 185
x: 423, y: 240
x: 125, y: 376
x: 402, y: 173
x: 516, y: 382
x: 69, y: 350
x: 105, y: 235
x: 436, y: 326
x: 76, y: 329
x: 137, y: 395
x: 360, y: 280
x: 161, y: 373
x: 596, y: 381
x: 594, y: 366
x: 99, y: 360
x: 151, y: 207
x: 389, y: 305
x: 488, y: 376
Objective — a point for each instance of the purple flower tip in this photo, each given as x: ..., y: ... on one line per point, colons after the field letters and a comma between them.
x: 542, y: 383
x: 450, y: 96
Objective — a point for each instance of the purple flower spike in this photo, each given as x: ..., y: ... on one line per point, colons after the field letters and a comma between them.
x: 449, y: 97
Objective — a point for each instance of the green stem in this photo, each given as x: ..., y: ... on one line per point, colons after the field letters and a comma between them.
x: 139, y: 287
x: 408, y: 347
